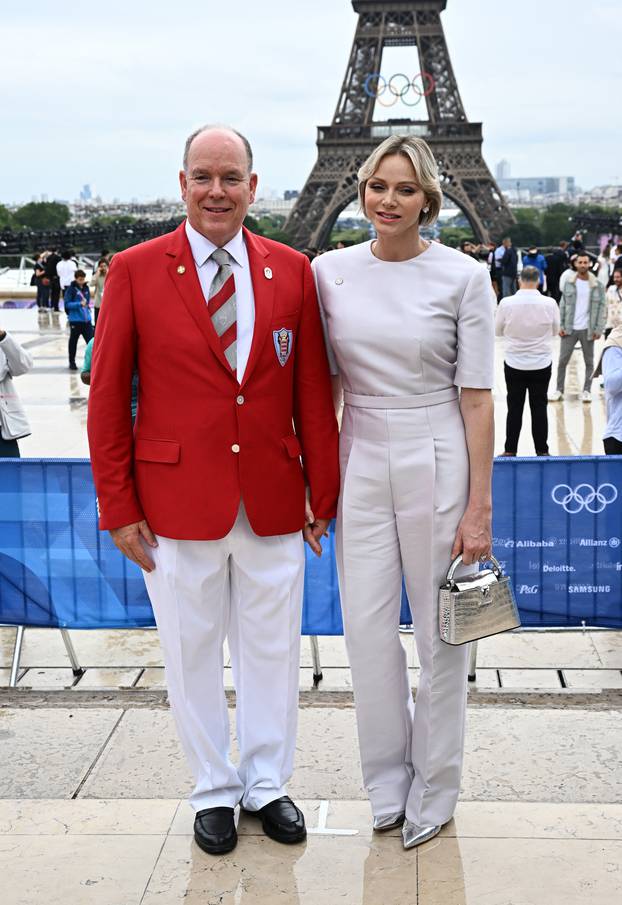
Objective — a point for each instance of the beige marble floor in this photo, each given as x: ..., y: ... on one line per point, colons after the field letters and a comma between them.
x: 56, y: 399
x: 140, y: 852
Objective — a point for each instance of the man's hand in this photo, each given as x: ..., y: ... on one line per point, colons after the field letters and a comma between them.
x: 562, y: 332
x: 314, y: 531
x: 595, y: 335
x: 129, y: 540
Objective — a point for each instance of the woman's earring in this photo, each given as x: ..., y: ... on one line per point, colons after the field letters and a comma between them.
x: 425, y: 210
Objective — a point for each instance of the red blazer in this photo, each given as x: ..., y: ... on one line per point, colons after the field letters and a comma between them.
x: 202, y: 442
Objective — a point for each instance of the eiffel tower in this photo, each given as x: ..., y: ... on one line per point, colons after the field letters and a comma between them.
x: 344, y: 145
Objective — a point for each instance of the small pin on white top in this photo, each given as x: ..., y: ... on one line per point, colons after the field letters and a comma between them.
x: 181, y: 269
x: 339, y: 281
x: 267, y: 273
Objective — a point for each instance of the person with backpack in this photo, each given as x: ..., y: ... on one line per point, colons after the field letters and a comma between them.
x: 77, y: 308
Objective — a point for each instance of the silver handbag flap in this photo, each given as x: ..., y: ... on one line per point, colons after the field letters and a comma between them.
x: 483, y: 579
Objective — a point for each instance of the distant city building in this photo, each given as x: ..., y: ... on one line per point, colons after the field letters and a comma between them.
x: 502, y: 170
x: 86, y: 193
x: 538, y: 185
x: 290, y: 194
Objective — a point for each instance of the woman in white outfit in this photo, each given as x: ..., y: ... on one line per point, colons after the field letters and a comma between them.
x: 408, y: 323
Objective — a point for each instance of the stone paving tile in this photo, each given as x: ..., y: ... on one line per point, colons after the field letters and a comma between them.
x: 530, y: 678
x: 539, y: 650
x: 525, y: 871
x: 152, y: 677
x: 47, y: 678
x: 98, y: 647
x: 486, y: 679
x: 82, y: 817
x: 593, y: 678
x: 599, y: 679
x: 572, y: 755
x: 107, y: 677
x: 609, y: 647
x: 5, y: 675
x: 81, y: 869
x: 262, y: 872
x: 46, y: 753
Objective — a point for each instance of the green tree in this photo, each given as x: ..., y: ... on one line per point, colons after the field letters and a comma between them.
x: 556, y: 223
x: 42, y: 215
x: 453, y: 235
x: 6, y: 217
x: 349, y: 236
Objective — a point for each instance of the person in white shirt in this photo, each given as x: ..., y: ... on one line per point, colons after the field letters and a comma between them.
x: 614, y: 302
x: 528, y: 321
x: 66, y: 270
x: 582, y: 312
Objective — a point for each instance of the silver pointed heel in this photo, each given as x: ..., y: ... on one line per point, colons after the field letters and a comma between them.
x: 414, y: 835
x: 388, y: 822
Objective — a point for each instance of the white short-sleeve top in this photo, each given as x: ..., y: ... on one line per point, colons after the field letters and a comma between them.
x: 407, y: 327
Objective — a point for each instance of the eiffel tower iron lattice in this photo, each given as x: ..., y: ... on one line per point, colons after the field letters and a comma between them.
x: 344, y: 145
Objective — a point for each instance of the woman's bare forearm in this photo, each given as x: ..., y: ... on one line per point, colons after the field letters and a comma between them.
x: 477, y: 410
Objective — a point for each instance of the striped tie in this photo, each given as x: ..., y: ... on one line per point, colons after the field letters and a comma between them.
x: 222, y: 306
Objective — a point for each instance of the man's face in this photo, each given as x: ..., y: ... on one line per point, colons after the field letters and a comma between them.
x: 507, y: 243
x: 617, y: 278
x: 217, y: 187
x: 582, y: 265
x: 80, y: 281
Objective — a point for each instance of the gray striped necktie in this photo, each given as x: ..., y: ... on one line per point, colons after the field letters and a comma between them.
x: 222, y: 306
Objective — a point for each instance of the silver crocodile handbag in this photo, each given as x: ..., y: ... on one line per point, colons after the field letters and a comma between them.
x: 477, y: 605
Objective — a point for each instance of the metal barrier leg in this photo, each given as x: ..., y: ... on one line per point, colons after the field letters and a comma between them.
x: 317, y: 666
x: 75, y: 666
x: 473, y: 662
x: 17, y: 652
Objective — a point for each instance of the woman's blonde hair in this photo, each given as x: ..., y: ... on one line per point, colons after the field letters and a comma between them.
x: 426, y: 171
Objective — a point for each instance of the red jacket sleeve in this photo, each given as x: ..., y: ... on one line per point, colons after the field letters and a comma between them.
x: 314, y: 414
x: 111, y: 438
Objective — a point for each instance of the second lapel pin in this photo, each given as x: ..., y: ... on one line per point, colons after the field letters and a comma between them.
x: 268, y: 273
x: 181, y: 269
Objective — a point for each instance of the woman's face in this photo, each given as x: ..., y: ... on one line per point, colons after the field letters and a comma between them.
x: 393, y: 198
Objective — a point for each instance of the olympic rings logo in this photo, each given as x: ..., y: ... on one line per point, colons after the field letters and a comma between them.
x: 584, y: 496
x: 399, y: 86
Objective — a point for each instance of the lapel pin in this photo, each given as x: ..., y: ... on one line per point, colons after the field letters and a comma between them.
x: 339, y: 281
x: 181, y: 269
x: 267, y: 273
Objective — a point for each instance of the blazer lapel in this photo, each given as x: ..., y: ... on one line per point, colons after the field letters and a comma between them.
x: 182, y: 271
x: 264, y: 281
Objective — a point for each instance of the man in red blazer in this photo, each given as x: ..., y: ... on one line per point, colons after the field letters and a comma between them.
x: 207, y: 493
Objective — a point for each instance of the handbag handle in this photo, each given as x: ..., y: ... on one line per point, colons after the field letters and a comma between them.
x: 458, y: 560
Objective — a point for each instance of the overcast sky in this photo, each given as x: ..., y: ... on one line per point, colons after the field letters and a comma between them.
x: 107, y: 95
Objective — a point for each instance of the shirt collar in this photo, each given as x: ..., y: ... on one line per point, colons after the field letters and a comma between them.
x: 202, y: 247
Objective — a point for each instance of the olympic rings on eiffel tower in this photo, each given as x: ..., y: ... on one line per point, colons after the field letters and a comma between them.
x: 375, y: 86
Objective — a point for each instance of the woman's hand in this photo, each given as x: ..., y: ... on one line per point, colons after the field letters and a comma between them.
x: 474, y: 535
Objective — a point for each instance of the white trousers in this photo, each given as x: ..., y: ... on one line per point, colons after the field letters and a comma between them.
x: 249, y: 590
x: 404, y: 490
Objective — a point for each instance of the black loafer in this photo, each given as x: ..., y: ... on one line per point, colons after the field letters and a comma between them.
x: 214, y: 830
x: 282, y: 821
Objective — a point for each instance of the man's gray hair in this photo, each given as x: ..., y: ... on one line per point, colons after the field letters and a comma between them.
x: 530, y: 274
x: 197, y: 132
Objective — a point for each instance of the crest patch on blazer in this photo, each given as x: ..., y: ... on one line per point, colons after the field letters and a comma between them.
x: 283, y: 344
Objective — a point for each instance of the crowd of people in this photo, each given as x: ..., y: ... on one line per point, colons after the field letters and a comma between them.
x: 570, y: 292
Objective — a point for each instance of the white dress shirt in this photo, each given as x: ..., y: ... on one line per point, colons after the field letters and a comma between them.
x: 528, y: 321
x: 207, y: 268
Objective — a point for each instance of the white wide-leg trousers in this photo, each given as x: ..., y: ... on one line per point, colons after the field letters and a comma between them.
x: 404, y: 489
x: 249, y: 590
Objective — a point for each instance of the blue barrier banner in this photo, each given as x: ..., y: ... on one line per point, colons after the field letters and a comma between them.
x: 557, y: 529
